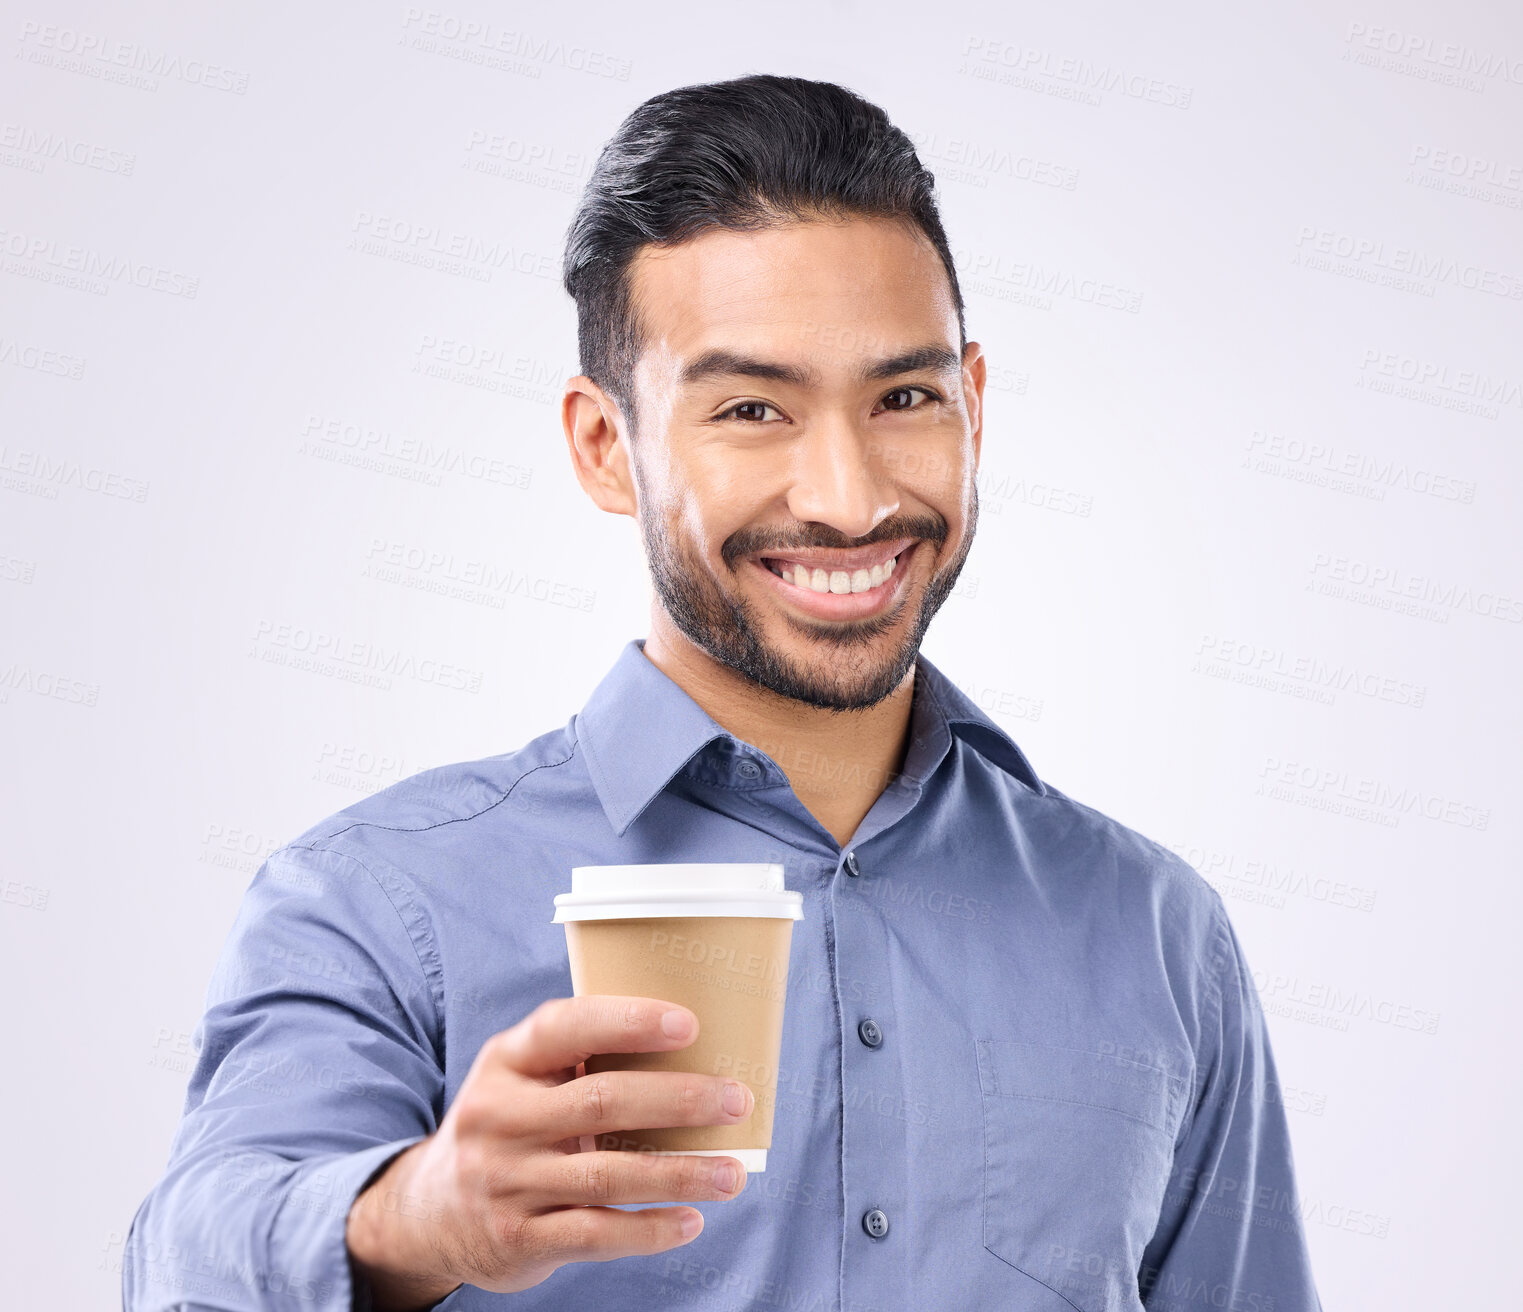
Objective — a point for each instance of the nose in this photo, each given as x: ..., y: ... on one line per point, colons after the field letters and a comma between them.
x: 839, y: 479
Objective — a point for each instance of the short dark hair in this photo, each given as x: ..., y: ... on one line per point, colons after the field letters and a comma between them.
x: 746, y: 154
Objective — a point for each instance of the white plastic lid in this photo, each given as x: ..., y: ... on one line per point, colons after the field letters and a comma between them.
x: 697, y: 888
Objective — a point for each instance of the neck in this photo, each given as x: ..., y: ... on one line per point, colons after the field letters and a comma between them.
x: 837, y: 762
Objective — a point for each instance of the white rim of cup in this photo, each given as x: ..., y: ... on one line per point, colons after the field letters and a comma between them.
x: 753, y: 1159
x: 693, y: 888
x: 663, y: 903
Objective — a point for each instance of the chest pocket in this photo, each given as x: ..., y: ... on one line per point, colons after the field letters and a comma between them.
x: 1078, y: 1147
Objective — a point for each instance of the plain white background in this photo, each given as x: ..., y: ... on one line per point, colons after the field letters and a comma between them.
x: 281, y: 348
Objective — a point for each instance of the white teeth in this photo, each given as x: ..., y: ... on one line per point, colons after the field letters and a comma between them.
x: 838, y: 580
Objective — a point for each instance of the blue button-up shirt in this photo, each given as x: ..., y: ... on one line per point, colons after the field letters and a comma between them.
x: 1066, y: 1098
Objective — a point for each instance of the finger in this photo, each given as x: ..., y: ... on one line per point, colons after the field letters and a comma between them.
x: 586, y: 1179
x: 612, y: 1101
x: 600, y: 1234
x: 564, y: 1031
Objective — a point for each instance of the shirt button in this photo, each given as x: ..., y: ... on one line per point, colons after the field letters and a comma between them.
x: 749, y: 770
x: 851, y: 864
x: 869, y: 1032
x: 876, y: 1223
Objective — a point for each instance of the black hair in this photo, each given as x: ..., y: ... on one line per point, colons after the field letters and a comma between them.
x: 746, y: 154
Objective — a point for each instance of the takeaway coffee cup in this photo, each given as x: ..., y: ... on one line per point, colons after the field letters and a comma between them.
x: 713, y: 937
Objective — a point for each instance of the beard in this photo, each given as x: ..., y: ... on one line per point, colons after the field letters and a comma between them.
x: 847, y: 674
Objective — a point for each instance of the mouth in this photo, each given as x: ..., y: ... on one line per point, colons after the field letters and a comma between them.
x: 841, y: 585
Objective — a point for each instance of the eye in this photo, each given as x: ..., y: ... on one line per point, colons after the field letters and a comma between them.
x: 735, y: 410
x: 906, y: 391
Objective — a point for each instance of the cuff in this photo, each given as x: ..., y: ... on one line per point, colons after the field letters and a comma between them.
x: 307, y: 1239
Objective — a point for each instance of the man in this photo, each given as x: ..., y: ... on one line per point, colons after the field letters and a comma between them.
x: 1023, y: 1063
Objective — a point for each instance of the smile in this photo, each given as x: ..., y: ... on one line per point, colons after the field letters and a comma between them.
x: 835, y: 580
x: 830, y: 592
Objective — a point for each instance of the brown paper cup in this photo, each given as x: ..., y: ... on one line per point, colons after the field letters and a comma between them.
x: 712, y: 937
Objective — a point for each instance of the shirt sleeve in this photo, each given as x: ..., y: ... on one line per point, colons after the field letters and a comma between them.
x: 1230, y: 1232
x: 317, y: 1062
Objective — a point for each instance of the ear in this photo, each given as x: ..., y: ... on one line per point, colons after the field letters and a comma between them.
x: 599, y: 446
x: 975, y: 370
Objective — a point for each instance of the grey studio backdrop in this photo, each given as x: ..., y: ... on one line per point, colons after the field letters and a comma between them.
x: 286, y: 514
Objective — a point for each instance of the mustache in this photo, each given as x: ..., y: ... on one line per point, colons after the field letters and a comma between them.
x: 748, y: 542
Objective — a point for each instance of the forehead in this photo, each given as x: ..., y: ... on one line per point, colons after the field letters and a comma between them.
x: 823, y: 292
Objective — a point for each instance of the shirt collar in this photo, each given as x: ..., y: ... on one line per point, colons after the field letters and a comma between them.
x: 639, y: 729
x: 969, y: 722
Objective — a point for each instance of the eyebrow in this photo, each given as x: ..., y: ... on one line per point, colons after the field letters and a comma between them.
x: 723, y: 363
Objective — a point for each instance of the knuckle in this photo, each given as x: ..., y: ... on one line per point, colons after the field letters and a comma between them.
x: 696, y: 1178
x: 470, y: 1164
x: 502, y: 1047
x: 533, y: 1026
x: 695, y: 1097
x: 518, y: 1236
x: 594, y: 1100
x: 658, y: 1232
x: 470, y: 1115
x: 596, y: 1178
x: 578, y: 1229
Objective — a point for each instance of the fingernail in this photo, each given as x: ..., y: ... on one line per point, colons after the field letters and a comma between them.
x: 691, y: 1224
x: 724, y: 1178
x: 734, y: 1098
x: 676, y: 1024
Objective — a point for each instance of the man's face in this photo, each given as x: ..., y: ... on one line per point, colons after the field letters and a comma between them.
x: 806, y: 427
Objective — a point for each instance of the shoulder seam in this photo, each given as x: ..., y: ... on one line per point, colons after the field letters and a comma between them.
x: 454, y: 819
x: 434, y: 977
x: 1219, y: 952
